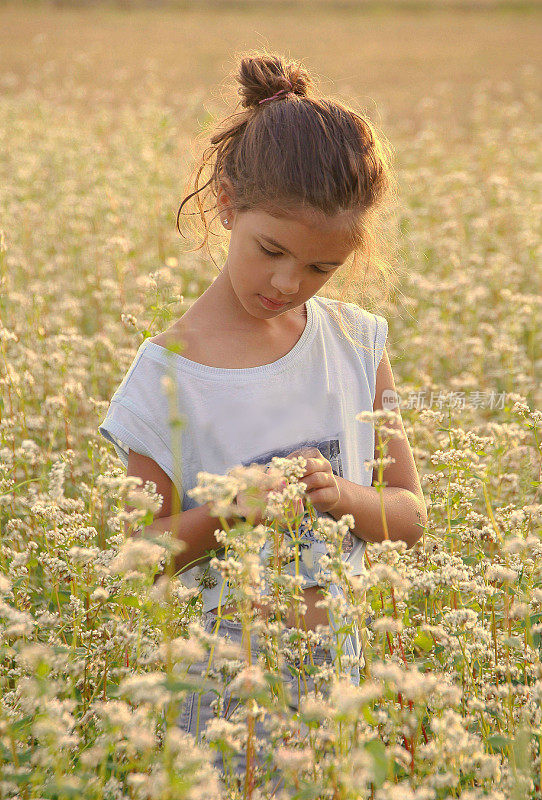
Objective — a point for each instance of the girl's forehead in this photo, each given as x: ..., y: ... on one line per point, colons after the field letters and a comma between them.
x: 304, y: 222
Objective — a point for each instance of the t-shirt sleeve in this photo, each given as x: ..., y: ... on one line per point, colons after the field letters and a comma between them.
x: 138, y: 418
x: 372, y: 332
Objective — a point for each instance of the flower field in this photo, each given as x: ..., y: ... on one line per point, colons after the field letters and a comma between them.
x: 95, y: 648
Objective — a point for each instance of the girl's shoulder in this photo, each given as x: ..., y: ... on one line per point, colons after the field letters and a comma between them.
x: 365, y: 330
x: 182, y: 336
x: 354, y: 314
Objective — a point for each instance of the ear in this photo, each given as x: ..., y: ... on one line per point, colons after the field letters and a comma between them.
x: 225, y: 195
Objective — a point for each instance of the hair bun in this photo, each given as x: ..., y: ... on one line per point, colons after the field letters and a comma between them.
x: 262, y: 76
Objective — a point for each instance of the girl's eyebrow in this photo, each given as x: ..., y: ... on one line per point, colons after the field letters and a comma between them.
x: 281, y: 247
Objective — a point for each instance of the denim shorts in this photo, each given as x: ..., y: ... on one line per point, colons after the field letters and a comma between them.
x: 233, y: 631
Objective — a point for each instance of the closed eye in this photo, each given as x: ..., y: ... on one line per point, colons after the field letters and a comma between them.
x: 272, y: 254
x: 269, y: 252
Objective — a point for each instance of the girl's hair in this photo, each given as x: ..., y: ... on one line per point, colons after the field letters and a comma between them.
x: 303, y: 151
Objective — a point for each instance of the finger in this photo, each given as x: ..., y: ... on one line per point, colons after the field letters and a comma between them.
x: 318, y: 465
x: 324, y: 494
x: 317, y: 480
x: 305, y: 451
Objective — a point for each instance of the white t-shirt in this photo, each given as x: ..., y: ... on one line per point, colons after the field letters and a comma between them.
x: 231, y: 417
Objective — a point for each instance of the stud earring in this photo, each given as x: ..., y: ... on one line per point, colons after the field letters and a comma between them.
x: 225, y: 222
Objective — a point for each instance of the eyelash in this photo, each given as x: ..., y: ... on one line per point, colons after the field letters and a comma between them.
x: 274, y: 255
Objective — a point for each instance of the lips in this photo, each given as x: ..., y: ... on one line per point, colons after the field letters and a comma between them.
x: 277, y: 302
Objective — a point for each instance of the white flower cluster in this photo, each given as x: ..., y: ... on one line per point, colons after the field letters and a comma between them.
x: 137, y: 554
x: 146, y: 687
x: 17, y: 623
x: 380, y: 417
x: 181, y: 650
x: 407, y: 679
x: 500, y: 574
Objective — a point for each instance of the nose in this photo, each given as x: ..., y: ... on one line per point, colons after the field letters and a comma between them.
x: 284, y: 282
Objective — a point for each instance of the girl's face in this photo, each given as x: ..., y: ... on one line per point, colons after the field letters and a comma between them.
x: 285, y: 259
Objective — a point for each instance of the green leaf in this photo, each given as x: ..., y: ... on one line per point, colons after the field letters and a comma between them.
x: 498, y: 742
x: 424, y: 641
x: 513, y: 641
x: 191, y: 683
x: 133, y: 602
x: 309, y: 793
x: 62, y: 789
x: 380, y: 760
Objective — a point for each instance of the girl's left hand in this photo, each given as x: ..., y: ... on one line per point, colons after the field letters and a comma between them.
x: 322, y: 488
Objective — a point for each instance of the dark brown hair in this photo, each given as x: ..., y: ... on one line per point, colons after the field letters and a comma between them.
x: 304, y: 151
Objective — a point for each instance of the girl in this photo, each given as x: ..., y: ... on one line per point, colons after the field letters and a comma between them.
x: 270, y: 366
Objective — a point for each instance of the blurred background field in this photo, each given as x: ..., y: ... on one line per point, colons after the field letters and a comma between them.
x: 99, y: 108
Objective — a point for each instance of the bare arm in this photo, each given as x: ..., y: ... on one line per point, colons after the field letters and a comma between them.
x: 403, y: 498
x: 406, y: 515
x: 196, y: 528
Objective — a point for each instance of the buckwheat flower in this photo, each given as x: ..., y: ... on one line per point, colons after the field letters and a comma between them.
x: 137, y: 552
x: 489, y: 767
x: 133, y: 575
x: 519, y: 610
x: 146, y: 688
x: 395, y: 791
x: 374, y: 463
x: 82, y: 555
x: 219, y: 729
x: 56, y: 480
x: 521, y: 408
x: 499, y: 573
x: 19, y: 623
x: 382, y: 572
x: 517, y: 517
x: 332, y: 530
x: 384, y: 624
x: 100, y: 593
x: 5, y: 334
x: 415, y: 685
x: 138, y: 780
x: 253, y: 570
x: 460, y: 618
x: 276, y: 500
x: 146, y: 499
x: 313, y: 708
x: 140, y: 737
x: 289, y: 468
x: 293, y: 760
x: 181, y: 649
x: 443, y: 780
x: 535, y: 598
x: 116, y: 713
x: 48, y: 619
x: 93, y: 755
x: 32, y: 655
x: 229, y: 567
x: 514, y: 544
x: 220, y: 490
x: 379, y: 416
x: 386, y: 671
x: 28, y: 451
x: 347, y: 699
x: 5, y: 585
